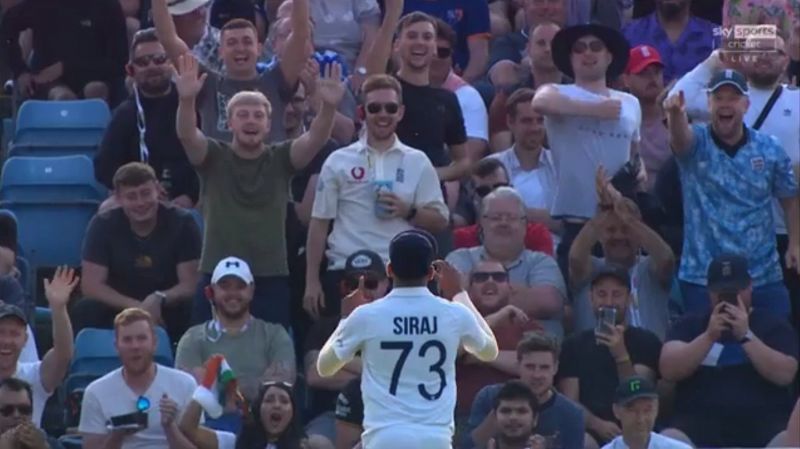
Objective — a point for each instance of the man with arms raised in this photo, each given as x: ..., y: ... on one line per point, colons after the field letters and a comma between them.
x: 246, y: 184
x: 141, y: 389
x: 409, y: 341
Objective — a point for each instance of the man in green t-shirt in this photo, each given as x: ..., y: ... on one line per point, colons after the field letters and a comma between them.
x: 245, y: 183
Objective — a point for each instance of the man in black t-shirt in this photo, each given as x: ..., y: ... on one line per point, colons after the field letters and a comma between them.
x: 733, y: 366
x: 324, y: 390
x: 593, y: 362
x: 143, y: 254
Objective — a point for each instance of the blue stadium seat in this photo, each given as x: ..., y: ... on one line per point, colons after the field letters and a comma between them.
x: 78, y: 123
x: 53, y: 200
x: 95, y: 352
x: 7, y: 134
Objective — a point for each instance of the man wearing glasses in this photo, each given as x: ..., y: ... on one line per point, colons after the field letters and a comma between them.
x: 371, y: 190
x: 539, y: 288
x: 16, y: 410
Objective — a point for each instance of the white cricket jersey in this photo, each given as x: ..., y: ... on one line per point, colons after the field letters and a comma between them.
x: 409, y: 341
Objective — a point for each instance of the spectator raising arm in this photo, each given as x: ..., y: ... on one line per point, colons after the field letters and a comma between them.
x: 167, y: 35
x: 296, y: 53
x: 56, y: 362
x: 681, y: 136
x: 381, y: 49
x: 189, y: 81
x: 330, y: 89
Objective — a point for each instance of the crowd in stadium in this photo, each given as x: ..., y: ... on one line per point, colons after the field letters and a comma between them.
x: 604, y: 192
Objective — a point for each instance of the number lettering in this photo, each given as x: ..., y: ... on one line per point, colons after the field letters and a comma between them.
x: 405, y: 348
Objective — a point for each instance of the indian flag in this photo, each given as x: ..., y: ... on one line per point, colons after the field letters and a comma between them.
x: 219, y: 381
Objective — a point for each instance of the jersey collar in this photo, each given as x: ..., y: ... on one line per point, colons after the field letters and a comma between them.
x: 730, y: 149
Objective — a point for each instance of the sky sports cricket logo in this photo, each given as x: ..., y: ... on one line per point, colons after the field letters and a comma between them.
x: 746, y: 39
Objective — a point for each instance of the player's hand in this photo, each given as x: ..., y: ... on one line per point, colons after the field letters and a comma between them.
x: 716, y: 323
x: 188, y: 78
x: 449, y: 279
x: 313, y: 298
x: 609, y: 109
x: 675, y: 105
x: 355, y: 299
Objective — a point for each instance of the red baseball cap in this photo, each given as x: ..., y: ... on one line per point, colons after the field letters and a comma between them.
x: 641, y: 57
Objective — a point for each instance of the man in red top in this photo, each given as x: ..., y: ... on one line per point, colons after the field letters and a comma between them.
x: 490, y: 289
x: 487, y: 175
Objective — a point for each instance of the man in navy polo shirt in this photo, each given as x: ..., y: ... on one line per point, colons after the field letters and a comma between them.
x: 730, y: 173
x: 732, y: 366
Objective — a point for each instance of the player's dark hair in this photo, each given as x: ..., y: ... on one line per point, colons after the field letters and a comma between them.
x: 253, y: 434
x: 487, y: 166
x: 537, y: 342
x: 16, y: 385
x: 515, y: 390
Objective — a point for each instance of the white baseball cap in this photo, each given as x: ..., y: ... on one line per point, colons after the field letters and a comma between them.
x: 232, y: 266
x: 181, y: 7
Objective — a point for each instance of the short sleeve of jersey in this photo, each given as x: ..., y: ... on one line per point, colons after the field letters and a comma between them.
x: 352, y: 333
x: 92, y: 420
x: 472, y: 336
x: 96, y: 245
x: 326, y: 199
x: 477, y: 18
x: 349, y: 404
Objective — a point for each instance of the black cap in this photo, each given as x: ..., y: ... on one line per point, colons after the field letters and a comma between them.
x: 728, y: 77
x: 612, y: 271
x: 364, y: 260
x: 411, y: 253
x: 727, y: 273
x: 634, y: 387
x: 10, y: 310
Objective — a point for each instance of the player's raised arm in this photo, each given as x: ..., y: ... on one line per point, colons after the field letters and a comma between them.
x: 346, y: 340
x: 483, y: 345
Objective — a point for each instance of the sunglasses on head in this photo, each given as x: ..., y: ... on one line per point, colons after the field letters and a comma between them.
x: 144, y: 61
x: 497, y: 276
x: 23, y: 410
x: 443, y: 52
x: 482, y: 191
x: 595, y: 46
x: 390, y: 108
x: 370, y: 282
x: 271, y: 383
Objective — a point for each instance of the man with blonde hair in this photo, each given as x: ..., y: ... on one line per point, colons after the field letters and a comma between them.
x: 145, y: 397
x: 246, y: 184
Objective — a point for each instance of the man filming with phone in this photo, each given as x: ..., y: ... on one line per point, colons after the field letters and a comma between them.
x: 733, y: 366
x: 593, y: 362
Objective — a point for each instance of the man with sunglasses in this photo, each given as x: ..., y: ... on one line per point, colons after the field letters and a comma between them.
x: 142, y: 128
x: 364, y: 264
x: 16, y: 409
x: 490, y: 290
x: 588, y: 124
x: 371, y: 191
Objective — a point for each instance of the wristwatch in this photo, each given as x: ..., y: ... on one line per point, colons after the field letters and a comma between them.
x: 162, y: 296
x: 747, y: 337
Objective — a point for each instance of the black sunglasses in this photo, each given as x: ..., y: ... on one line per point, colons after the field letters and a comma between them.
x: 370, y: 282
x: 595, y: 46
x: 144, y: 61
x: 390, y: 108
x: 497, y: 276
x: 443, y: 52
x: 482, y: 191
x: 23, y: 410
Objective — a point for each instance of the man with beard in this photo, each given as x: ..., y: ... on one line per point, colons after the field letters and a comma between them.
x: 682, y: 39
x: 594, y: 361
x: 730, y: 174
x: 257, y: 351
x: 138, y: 392
x: 16, y: 410
x: 142, y: 128
x: 644, y: 78
x: 491, y: 291
x: 516, y: 411
x: 764, y: 72
x: 247, y: 182
x: 560, y: 420
x: 624, y: 238
x: 371, y: 191
x: 588, y: 125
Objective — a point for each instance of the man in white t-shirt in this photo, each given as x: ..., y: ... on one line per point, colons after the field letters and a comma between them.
x: 409, y: 341
x: 46, y: 375
x: 588, y: 125
x: 636, y: 408
x: 127, y: 407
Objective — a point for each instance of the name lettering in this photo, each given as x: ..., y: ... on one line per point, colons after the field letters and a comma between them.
x: 414, y: 325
